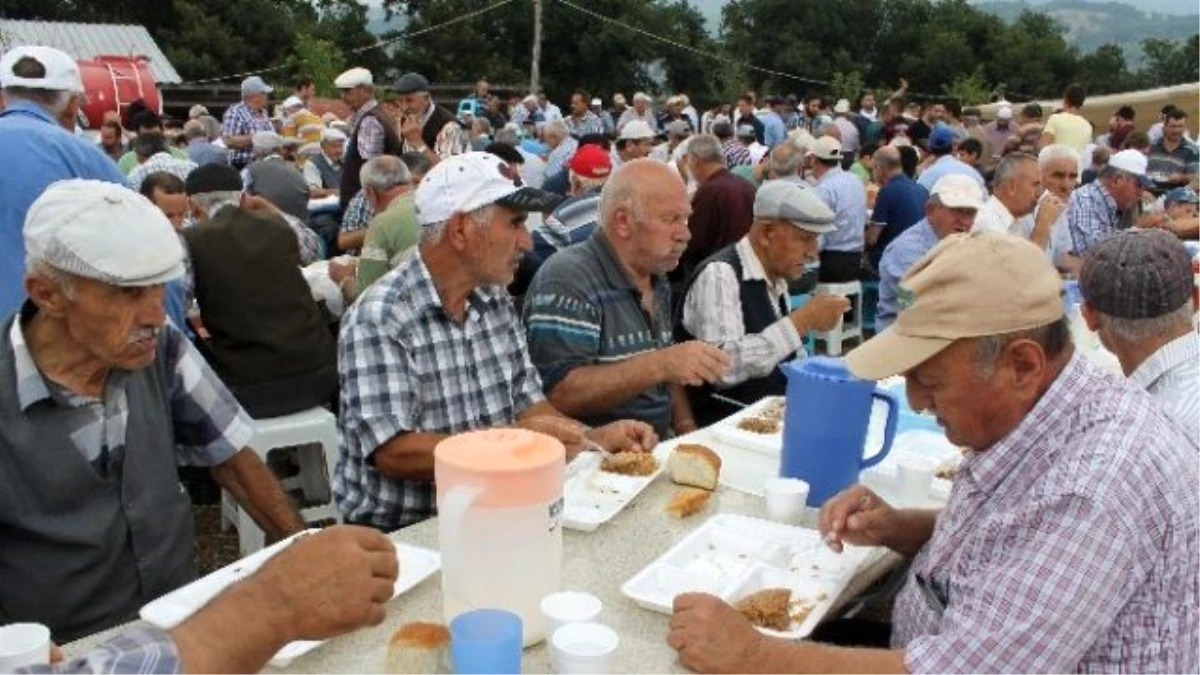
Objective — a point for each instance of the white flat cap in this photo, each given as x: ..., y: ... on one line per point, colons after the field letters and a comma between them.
x: 267, y: 140
x: 103, y: 231
x: 61, y: 71
x: 355, y: 77
x: 332, y: 134
x: 635, y: 130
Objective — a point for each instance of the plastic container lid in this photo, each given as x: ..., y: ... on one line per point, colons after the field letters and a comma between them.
x: 513, y: 467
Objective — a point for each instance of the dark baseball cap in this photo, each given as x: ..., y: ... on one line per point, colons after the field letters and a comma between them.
x: 1137, y: 274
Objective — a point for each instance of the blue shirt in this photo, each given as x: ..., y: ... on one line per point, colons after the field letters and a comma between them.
x: 899, y: 204
x: 947, y: 165
x: 774, y: 130
x: 36, y: 151
x: 846, y: 196
x: 907, y: 249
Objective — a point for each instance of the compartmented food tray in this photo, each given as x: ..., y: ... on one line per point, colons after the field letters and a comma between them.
x: 592, y: 497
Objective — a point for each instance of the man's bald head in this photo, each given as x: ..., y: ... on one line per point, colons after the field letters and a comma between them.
x: 631, y: 185
x: 644, y: 210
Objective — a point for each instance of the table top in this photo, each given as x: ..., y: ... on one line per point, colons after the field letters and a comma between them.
x: 598, y: 562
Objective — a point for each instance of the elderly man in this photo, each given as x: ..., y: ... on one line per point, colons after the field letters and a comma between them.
x: 426, y: 127
x: 395, y: 230
x: 787, y: 162
x: 244, y: 119
x: 722, y: 208
x: 1016, y: 187
x: 323, y: 171
x: 599, y: 313
x: 576, y: 218
x: 93, y: 372
x: 1097, y: 210
x: 40, y: 87
x: 275, y: 178
x: 841, y: 250
x: 641, y: 111
x: 1181, y: 207
x: 562, y: 146
x: 200, y: 148
x: 899, y: 204
x: 1173, y: 158
x: 678, y: 133
x: 950, y: 210
x: 941, y: 146
x: 1069, y: 543
x: 444, y: 317
x: 735, y: 151
x: 154, y: 156
x: 1137, y: 296
x: 1059, y: 166
x: 373, y: 130
x: 272, y: 346
x: 738, y: 299
x: 635, y: 141
x: 582, y: 121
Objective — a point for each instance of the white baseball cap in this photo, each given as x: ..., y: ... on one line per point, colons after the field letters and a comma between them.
x: 958, y: 192
x: 470, y: 181
x: 1133, y: 163
x: 292, y: 102
x: 61, y: 71
x: 635, y: 130
x: 826, y: 147
x: 843, y: 106
x: 102, y: 231
x: 355, y: 77
x: 1004, y: 112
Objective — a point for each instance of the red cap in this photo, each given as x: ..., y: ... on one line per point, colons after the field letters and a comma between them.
x: 591, y: 161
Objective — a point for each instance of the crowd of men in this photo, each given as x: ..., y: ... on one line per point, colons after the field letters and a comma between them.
x: 609, y: 277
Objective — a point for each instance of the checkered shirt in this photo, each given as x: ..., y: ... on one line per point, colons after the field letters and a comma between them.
x: 240, y: 120
x: 139, y: 649
x: 210, y: 426
x: 358, y: 215
x: 1069, y: 546
x: 1090, y: 216
x: 163, y: 161
x: 370, y: 139
x: 1172, y: 376
x: 736, y: 154
x: 590, y: 123
x: 406, y: 366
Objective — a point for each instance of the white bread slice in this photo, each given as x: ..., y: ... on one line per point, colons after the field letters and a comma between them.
x: 695, y: 465
x: 688, y: 501
x: 419, y: 648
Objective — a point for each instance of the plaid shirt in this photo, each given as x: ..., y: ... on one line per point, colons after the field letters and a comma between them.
x: 406, y: 366
x: 163, y: 161
x: 139, y: 649
x: 1091, y: 216
x: 1069, y: 546
x: 1172, y: 376
x: 370, y: 138
x: 210, y: 426
x: 358, y: 215
x: 590, y: 123
x: 736, y: 154
x: 240, y: 120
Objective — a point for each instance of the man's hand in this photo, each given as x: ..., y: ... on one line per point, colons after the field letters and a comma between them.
x: 857, y: 516
x: 821, y: 313
x: 410, y: 129
x: 339, y: 272
x: 331, y: 582
x: 711, y: 636
x: 569, y: 432
x: 692, y: 363
x: 625, y: 436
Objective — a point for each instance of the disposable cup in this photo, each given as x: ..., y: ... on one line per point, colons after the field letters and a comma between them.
x: 914, y: 476
x: 569, y: 607
x: 583, y: 648
x: 486, y: 641
x: 23, y: 644
x: 785, y: 499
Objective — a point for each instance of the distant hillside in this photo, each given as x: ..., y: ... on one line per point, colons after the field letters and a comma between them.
x: 1092, y: 24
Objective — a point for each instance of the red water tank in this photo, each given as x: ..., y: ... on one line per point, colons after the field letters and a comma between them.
x: 113, y: 82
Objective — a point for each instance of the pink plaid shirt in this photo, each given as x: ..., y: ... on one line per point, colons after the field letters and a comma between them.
x: 1069, y: 546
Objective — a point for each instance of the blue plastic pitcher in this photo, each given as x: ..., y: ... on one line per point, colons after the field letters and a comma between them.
x: 828, y: 410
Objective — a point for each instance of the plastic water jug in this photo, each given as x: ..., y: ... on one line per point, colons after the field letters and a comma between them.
x: 828, y: 411
x: 499, y: 495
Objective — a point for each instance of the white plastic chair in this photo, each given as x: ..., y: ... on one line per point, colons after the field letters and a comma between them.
x: 315, y: 432
x: 850, y: 326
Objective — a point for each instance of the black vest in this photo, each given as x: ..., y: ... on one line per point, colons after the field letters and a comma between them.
x: 81, y: 552
x: 757, y: 315
x: 352, y: 161
x: 330, y: 177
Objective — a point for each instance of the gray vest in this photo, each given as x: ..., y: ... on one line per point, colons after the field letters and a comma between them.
x: 331, y: 178
x: 282, y: 184
x: 81, y: 552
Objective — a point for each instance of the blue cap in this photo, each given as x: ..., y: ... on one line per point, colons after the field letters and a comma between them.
x: 1181, y: 194
x: 942, y: 138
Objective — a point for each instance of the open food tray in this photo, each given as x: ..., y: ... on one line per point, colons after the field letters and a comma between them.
x: 592, y: 497
x: 732, y: 556
x: 168, y: 611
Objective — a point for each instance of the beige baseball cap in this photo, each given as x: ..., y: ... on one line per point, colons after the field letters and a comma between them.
x: 969, y: 285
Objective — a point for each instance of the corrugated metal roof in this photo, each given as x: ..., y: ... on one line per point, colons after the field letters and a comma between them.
x: 88, y: 40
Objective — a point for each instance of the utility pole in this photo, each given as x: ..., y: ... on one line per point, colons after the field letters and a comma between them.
x: 534, y: 69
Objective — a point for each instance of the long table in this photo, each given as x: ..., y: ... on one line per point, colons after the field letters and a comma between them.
x: 598, y: 562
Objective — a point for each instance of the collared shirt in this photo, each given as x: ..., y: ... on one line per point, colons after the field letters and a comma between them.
x: 358, y: 215
x: 630, y: 115
x: 370, y: 139
x: 947, y: 165
x: 994, y: 217
x: 312, y: 174
x: 559, y: 157
x: 241, y: 120
x: 406, y: 365
x: 712, y: 312
x: 210, y: 426
x: 138, y: 650
x: 311, y: 247
x: 1183, y: 159
x: 846, y: 196
x: 1090, y: 216
x: 202, y: 151
x: 390, y: 236
x: 1060, y: 235
x: 900, y: 255
x: 451, y: 139
x: 774, y: 131
x: 1070, y: 545
x: 36, y: 151
x: 1172, y: 376
x: 736, y: 154
x: 584, y: 309
x: 590, y: 123
x: 850, y: 141
x: 162, y: 161
x: 573, y: 221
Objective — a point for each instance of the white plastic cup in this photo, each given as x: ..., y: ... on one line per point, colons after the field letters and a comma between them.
x: 914, y: 477
x: 23, y: 644
x: 567, y: 607
x: 785, y: 499
x: 583, y: 648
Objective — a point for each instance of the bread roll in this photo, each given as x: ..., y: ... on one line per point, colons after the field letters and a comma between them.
x: 419, y: 648
x: 695, y: 465
x: 687, y: 502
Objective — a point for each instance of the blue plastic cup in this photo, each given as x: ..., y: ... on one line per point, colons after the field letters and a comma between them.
x: 486, y: 641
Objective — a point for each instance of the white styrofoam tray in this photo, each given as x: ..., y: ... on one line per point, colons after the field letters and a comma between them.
x: 592, y: 497
x: 732, y: 556
x: 168, y: 611
x: 727, y: 429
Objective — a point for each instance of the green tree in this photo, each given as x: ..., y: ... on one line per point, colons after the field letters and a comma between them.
x: 1168, y: 62
x: 970, y: 89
